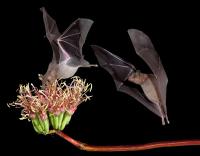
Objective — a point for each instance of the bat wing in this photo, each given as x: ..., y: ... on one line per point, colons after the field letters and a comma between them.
x: 120, y: 71
x: 145, y: 49
x: 72, y: 40
x: 133, y: 92
x: 114, y: 65
x: 52, y: 33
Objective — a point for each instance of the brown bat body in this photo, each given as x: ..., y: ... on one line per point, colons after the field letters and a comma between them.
x: 146, y: 81
x: 148, y: 85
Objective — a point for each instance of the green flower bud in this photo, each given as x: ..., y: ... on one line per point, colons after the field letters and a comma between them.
x: 65, y: 121
x: 60, y: 119
x: 56, y: 126
x: 46, y: 126
x: 36, y: 126
x: 54, y: 121
x: 40, y: 126
x: 51, y: 119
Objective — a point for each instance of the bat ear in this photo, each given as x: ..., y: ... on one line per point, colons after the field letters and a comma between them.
x: 42, y: 9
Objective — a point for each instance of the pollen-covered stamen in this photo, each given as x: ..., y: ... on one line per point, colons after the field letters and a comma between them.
x: 32, y: 102
x: 77, y: 94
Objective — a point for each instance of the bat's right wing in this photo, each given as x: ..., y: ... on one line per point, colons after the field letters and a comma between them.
x: 114, y: 65
x: 52, y: 33
x: 145, y: 49
x: 73, y: 39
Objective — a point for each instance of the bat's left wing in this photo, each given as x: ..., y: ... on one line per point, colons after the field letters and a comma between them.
x: 72, y: 40
x: 119, y: 69
x: 145, y: 49
x: 52, y: 33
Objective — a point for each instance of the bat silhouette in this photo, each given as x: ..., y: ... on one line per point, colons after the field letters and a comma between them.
x: 67, y: 47
x: 154, y: 85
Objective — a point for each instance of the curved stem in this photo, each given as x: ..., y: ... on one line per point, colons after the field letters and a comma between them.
x: 142, y: 147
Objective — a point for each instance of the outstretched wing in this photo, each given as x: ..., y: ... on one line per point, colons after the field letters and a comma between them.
x: 114, y: 65
x: 72, y: 40
x: 52, y: 33
x: 120, y: 71
x: 145, y: 49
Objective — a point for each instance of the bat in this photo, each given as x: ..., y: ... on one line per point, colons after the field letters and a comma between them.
x: 67, y: 48
x: 153, y: 85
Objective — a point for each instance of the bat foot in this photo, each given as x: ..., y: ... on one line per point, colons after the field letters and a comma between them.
x: 91, y: 65
x: 94, y: 65
x: 165, y: 120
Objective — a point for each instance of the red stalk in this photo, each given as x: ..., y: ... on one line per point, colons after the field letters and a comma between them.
x: 142, y: 147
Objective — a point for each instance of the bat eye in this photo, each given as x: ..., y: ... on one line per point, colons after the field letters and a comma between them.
x: 48, y: 79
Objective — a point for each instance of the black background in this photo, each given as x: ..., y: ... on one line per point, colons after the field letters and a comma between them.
x: 110, y: 117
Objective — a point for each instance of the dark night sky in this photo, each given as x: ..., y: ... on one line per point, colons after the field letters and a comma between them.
x: 111, y: 117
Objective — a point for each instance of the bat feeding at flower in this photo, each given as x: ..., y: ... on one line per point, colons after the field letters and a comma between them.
x: 154, y: 85
x: 51, y: 107
x: 67, y: 48
x: 54, y: 104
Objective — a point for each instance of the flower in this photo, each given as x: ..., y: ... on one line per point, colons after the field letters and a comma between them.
x: 54, y: 103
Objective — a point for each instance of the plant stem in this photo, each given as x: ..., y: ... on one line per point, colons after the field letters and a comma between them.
x: 142, y: 147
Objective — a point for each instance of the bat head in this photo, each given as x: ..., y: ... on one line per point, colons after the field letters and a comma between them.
x: 138, y: 77
x: 51, y: 75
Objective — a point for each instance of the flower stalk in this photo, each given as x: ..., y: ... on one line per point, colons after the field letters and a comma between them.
x: 124, y: 148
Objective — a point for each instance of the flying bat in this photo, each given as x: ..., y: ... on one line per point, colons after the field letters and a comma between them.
x: 67, y: 48
x: 153, y: 85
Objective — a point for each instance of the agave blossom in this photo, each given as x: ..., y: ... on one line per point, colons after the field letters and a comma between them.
x: 55, y: 103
